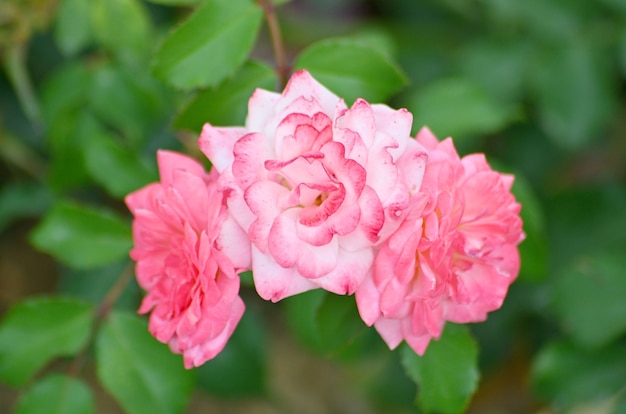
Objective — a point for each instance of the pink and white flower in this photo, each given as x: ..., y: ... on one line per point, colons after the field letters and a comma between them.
x: 315, y: 184
x: 454, y: 255
x: 188, y: 253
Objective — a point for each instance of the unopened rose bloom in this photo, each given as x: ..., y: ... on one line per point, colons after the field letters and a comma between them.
x: 188, y: 253
x: 453, y: 257
x: 314, y: 184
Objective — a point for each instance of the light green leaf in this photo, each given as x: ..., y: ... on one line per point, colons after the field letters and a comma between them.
x: 119, y: 170
x: 459, y: 108
x: 37, y: 330
x: 447, y: 374
x: 56, y: 394
x: 227, y: 104
x: 352, y: 69
x: 141, y: 373
x: 589, y: 298
x: 209, y: 46
x: 72, y: 29
x: 82, y: 237
x: 568, y: 376
x: 576, y: 92
x: 121, y: 25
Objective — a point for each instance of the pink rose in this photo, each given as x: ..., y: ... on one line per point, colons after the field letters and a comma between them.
x: 453, y: 257
x: 186, y: 261
x: 314, y: 184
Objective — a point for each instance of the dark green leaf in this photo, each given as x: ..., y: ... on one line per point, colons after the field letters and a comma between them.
x: 226, y: 104
x: 141, y: 373
x: 589, y: 298
x: 568, y: 376
x: 37, y: 330
x: 126, y: 101
x: 352, y: 69
x: 18, y: 200
x: 73, y: 26
x: 211, y: 45
x: 56, y: 394
x: 121, y: 25
x: 176, y: 2
x: 82, y: 237
x: 92, y: 285
x: 447, y: 374
x: 301, y: 312
x: 327, y: 323
x: 459, y: 108
x: 338, y: 323
x: 64, y: 91
x: 534, y: 249
x: 67, y: 138
x: 119, y: 170
x: 239, y: 371
x: 498, y: 66
x: 575, y: 88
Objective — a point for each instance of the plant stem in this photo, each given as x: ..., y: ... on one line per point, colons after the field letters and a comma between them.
x: 101, y: 313
x: 15, y: 152
x: 277, y: 42
x: 15, y: 64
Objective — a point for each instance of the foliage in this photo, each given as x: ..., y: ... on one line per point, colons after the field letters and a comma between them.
x: 91, y: 88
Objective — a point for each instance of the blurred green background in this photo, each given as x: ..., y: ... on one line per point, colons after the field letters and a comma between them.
x: 538, y: 85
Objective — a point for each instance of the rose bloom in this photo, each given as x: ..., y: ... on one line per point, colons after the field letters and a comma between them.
x: 188, y: 253
x: 315, y: 184
x: 453, y: 257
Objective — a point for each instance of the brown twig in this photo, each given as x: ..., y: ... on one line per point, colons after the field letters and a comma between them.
x: 282, y: 67
x: 100, y: 315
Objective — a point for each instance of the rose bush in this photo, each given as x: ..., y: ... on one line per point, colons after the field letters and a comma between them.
x: 454, y: 255
x: 315, y: 184
x: 188, y: 253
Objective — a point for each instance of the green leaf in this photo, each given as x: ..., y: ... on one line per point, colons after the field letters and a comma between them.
x: 37, y: 330
x: 534, y: 249
x: 301, y: 312
x: 226, y: 104
x: 56, y: 394
x: 575, y: 89
x: 209, y: 46
x: 19, y: 200
x: 92, y: 285
x: 589, y: 298
x: 64, y: 91
x: 498, y: 65
x: 82, y: 237
x: 352, y: 69
x: 72, y: 27
x: 326, y: 323
x: 119, y: 170
x: 121, y: 25
x: 447, y: 374
x: 568, y: 376
x: 127, y: 101
x: 176, y: 2
x: 141, y: 373
x: 239, y: 371
x: 458, y: 107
